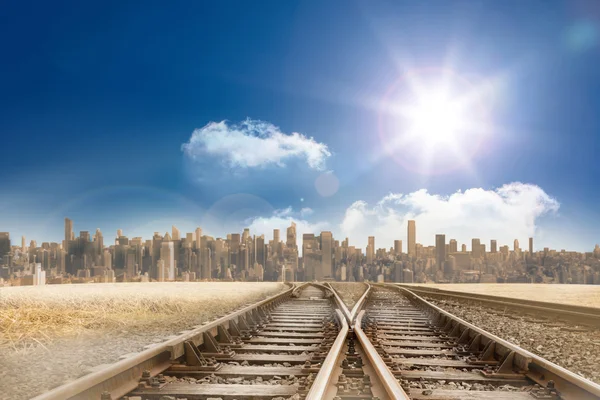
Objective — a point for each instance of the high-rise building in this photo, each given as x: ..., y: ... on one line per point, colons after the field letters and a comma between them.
x: 167, y: 254
x: 245, y: 235
x: 276, y: 241
x: 412, y: 238
x: 69, y: 235
x: 23, y: 244
x: 453, y: 246
x: 326, y: 252
x: 259, y: 252
x: 475, y: 248
x: 463, y: 248
x: 440, y: 251
x: 291, y: 236
x: 397, y: 247
x: 493, y: 247
x: 119, y: 233
x: 530, y: 246
x: 516, y: 245
x: 175, y: 233
x: 4, y: 243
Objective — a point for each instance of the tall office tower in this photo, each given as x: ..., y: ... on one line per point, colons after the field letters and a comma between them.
x: 516, y: 245
x: 475, y: 248
x: 326, y: 252
x: 397, y: 247
x: 412, y: 238
x: 69, y: 235
x: 493, y: 247
x: 440, y: 251
x: 371, y: 250
x: 119, y: 233
x: 291, y: 236
x: 276, y: 242
x: 530, y: 246
x: 453, y: 246
x: 198, y: 237
x: 245, y: 235
x: 4, y: 243
x: 157, y: 240
x: 205, y: 272
x: 463, y: 248
x: 259, y: 252
x: 98, y: 241
x: 107, y: 259
x: 175, y: 233
x: 23, y: 244
x: 167, y: 254
x: 189, y: 239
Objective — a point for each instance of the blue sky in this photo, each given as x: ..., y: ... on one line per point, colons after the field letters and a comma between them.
x: 97, y: 100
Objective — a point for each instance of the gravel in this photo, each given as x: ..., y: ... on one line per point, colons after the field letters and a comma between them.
x: 350, y: 292
x: 577, y: 351
x: 28, y: 372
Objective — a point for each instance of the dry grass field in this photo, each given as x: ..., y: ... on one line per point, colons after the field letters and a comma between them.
x: 56, y: 333
x: 581, y: 295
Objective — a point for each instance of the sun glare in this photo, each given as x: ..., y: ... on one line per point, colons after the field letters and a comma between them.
x: 436, y: 119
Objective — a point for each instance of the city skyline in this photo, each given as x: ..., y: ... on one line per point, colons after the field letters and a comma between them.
x: 195, y: 255
x: 292, y: 235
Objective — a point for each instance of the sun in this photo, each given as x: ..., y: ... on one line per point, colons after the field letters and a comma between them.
x: 436, y: 118
x: 434, y: 121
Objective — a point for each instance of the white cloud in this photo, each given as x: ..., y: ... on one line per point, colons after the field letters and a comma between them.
x: 252, y: 144
x: 506, y: 213
x: 306, y: 211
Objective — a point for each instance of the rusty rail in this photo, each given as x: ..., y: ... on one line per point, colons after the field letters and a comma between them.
x: 578, y: 314
x: 385, y: 376
x: 570, y: 385
x: 326, y: 373
x: 123, y: 376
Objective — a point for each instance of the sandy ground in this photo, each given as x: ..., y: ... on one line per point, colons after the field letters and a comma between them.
x: 64, y: 353
x: 580, y: 295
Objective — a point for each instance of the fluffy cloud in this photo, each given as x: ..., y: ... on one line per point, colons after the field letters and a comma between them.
x: 252, y: 144
x: 282, y: 219
x: 507, y: 213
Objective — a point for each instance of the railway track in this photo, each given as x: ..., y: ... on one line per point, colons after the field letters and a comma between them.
x: 537, y: 311
x: 305, y: 344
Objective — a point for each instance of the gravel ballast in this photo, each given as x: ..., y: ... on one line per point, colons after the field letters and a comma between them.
x: 28, y: 370
x: 574, y: 348
x: 350, y: 292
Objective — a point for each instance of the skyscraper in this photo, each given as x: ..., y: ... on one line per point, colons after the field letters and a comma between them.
x: 69, y: 230
x: 453, y: 246
x: 4, y: 243
x: 475, y: 248
x: 493, y: 246
x: 326, y: 251
x: 291, y: 236
x: 175, y: 233
x: 530, y: 246
x: 167, y: 254
x: 516, y: 245
x: 397, y: 247
x: 276, y: 242
x: 412, y: 238
x: 440, y: 251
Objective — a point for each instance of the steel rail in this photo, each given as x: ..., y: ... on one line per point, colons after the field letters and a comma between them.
x: 123, y: 376
x: 387, y: 379
x: 586, y: 314
x: 324, y: 377
x: 572, y: 386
